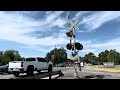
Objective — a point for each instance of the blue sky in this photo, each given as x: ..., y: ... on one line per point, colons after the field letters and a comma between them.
x: 34, y: 33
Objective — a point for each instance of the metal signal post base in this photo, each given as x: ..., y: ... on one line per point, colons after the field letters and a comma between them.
x: 77, y: 69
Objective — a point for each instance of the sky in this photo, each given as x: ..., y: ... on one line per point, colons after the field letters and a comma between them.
x: 35, y: 33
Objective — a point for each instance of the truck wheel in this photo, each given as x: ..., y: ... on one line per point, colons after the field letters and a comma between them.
x: 16, y: 74
x: 50, y: 68
x: 30, y: 70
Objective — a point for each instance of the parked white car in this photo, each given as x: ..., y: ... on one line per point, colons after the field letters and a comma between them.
x: 29, y: 65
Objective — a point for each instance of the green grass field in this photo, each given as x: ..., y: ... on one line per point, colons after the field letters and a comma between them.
x: 115, y: 69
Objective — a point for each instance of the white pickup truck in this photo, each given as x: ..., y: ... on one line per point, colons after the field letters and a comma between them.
x: 29, y: 65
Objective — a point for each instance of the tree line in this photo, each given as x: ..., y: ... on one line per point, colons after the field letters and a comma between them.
x: 59, y: 55
x: 104, y: 56
x: 9, y: 55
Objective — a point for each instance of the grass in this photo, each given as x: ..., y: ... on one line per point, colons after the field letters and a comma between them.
x: 115, y: 69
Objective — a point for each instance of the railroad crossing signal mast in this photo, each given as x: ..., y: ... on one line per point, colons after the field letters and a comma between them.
x: 75, y: 46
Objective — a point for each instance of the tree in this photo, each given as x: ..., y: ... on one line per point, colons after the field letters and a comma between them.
x: 114, y: 56
x: 57, y: 55
x: 49, y: 57
x: 89, y: 58
x: 11, y: 55
x: 109, y: 56
x: 1, y: 57
x: 17, y: 56
x: 103, y: 56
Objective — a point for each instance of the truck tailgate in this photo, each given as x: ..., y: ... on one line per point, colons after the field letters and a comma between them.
x: 15, y: 64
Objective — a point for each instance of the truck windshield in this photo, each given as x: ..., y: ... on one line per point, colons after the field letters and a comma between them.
x: 30, y: 59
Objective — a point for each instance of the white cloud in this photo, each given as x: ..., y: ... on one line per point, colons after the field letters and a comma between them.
x: 96, y: 48
x: 63, y: 30
x: 80, y: 31
x: 52, y: 16
x: 80, y: 13
x: 28, y: 40
x: 16, y: 21
x: 51, y: 20
x: 107, y: 44
x: 88, y: 50
x: 97, y: 19
x: 38, y: 48
x: 59, y: 22
x: 16, y: 27
x: 110, y: 44
x: 48, y: 12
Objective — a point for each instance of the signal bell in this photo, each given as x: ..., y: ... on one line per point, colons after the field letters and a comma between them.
x: 69, y: 34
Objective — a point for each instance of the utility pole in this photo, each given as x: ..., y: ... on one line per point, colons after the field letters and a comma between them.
x: 74, y: 47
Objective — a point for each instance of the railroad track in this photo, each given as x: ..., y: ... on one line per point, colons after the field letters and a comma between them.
x: 40, y: 75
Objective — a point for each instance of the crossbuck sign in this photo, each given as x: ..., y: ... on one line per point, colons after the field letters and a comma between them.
x: 73, y: 25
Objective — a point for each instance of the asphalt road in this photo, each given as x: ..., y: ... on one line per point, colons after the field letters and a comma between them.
x: 68, y: 72
x: 87, y: 73
x: 65, y: 70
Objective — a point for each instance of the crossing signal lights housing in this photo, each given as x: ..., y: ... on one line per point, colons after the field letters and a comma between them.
x: 78, y: 46
x: 69, y: 46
